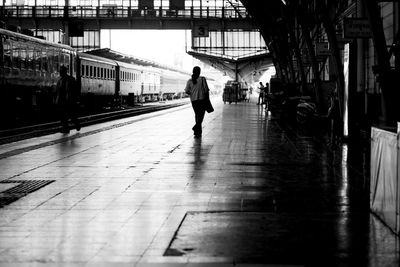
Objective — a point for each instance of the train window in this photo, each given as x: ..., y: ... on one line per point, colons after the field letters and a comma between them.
x: 108, y: 74
x: 50, y: 55
x: 37, y: 54
x: 22, y: 54
x: 73, y: 66
x: 113, y: 74
x: 102, y: 73
x: 95, y: 72
x: 62, y: 59
x: 30, y: 59
x: 82, y: 70
x: 66, y: 60
x: 7, y: 54
x: 15, y: 56
x: 87, y: 71
x: 45, y: 65
x: 91, y: 71
x: 56, y: 61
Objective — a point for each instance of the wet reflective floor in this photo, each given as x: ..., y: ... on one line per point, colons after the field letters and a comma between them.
x: 143, y: 192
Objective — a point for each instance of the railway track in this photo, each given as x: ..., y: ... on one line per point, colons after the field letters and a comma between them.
x: 21, y: 133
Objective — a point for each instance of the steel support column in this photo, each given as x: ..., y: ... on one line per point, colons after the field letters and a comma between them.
x: 390, y: 112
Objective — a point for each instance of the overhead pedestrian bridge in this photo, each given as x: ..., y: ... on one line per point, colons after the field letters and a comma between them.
x: 97, y: 15
x: 222, y: 32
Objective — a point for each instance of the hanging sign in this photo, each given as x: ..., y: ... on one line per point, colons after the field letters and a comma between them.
x: 356, y: 28
x: 322, y: 49
x: 200, y: 31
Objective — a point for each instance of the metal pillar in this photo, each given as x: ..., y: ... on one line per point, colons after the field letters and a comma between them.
x: 236, y: 72
x: 383, y: 69
x: 336, y: 57
x: 65, y: 23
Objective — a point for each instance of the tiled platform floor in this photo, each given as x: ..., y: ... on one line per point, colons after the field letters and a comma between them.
x: 251, y: 190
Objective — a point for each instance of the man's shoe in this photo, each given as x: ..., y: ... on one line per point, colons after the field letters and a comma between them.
x: 78, y: 127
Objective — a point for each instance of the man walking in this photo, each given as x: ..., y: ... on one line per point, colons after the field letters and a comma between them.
x: 67, y: 100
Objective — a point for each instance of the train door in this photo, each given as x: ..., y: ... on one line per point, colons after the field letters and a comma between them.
x: 3, y: 50
x: 141, y: 85
x: 79, y: 72
x: 117, y: 80
x: 74, y: 66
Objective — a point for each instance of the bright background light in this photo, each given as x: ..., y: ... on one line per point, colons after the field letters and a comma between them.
x: 162, y: 46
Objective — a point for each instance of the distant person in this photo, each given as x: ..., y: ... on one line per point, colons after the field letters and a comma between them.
x: 197, y: 89
x: 335, y: 118
x: 261, y: 94
x: 67, y: 95
x: 267, y: 95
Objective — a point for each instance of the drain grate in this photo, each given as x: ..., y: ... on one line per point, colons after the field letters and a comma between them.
x: 23, y: 188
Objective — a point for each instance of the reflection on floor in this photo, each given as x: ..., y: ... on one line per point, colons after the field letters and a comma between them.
x: 253, y: 189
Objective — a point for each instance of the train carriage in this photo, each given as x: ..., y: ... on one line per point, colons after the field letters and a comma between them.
x: 97, y: 79
x: 130, y: 82
x: 29, y: 70
x: 172, y: 82
x: 151, y: 83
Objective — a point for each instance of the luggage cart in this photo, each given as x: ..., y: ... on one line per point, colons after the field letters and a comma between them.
x: 231, y: 93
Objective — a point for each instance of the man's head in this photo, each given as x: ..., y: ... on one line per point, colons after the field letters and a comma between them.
x: 63, y: 71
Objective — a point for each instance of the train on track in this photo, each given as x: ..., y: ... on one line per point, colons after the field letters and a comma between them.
x: 29, y: 70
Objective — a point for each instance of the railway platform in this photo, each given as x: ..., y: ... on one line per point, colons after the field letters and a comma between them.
x: 142, y: 191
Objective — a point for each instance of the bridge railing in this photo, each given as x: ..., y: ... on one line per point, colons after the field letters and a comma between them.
x: 119, y: 12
